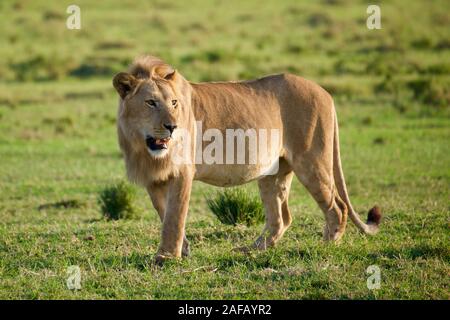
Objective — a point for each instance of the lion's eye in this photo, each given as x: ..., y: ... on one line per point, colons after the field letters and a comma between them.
x: 174, y: 103
x: 151, y: 103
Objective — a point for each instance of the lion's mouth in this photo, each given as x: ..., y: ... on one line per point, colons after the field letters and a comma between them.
x: 156, y: 144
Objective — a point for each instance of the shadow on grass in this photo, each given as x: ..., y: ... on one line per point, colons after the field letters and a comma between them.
x: 140, y: 262
x: 94, y: 220
x: 65, y: 204
x: 423, y: 251
x: 232, y: 234
x: 254, y: 260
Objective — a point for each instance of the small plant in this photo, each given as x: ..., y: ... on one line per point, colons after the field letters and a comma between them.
x: 116, y: 201
x: 430, y: 92
x: 236, y: 206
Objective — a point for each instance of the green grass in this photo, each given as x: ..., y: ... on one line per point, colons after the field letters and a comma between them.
x: 117, y: 201
x: 58, y: 148
x: 234, y: 206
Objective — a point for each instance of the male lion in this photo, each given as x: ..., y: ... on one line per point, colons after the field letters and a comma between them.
x: 156, y: 102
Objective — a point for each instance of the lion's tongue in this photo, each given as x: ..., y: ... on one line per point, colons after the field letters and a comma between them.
x: 162, y: 142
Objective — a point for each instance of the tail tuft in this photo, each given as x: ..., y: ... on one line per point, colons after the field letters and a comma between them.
x: 374, y: 216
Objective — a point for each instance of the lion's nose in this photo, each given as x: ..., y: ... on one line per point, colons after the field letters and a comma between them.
x: 170, y: 127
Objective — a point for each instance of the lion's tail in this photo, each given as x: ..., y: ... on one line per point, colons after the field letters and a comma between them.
x: 374, y: 215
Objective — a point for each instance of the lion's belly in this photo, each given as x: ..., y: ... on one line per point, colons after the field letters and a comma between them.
x: 237, y: 163
x: 223, y: 175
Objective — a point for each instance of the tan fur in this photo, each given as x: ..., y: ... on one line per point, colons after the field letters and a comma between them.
x: 301, y: 110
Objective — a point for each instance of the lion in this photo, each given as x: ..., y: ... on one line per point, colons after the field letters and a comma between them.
x: 156, y: 102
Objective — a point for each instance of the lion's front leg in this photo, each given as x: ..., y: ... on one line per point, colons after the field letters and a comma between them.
x: 158, y: 193
x: 178, y: 195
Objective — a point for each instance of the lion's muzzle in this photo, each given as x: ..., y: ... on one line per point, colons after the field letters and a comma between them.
x: 156, y: 144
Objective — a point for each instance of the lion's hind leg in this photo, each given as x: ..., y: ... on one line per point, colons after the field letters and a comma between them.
x: 317, y: 177
x: 274, y: 191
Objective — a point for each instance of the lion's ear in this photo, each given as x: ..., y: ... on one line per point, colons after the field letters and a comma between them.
x: 124, y: 83
x: 166, y: 72
x: 171, y: 76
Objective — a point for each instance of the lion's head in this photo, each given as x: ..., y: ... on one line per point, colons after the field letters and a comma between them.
x: 150, y: 111
x: 154, y: 114
x: 153, y: 105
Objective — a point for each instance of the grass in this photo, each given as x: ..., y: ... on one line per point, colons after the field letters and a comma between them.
x: 58, y: 148
x: 235, y: 206
x: 117, y: 201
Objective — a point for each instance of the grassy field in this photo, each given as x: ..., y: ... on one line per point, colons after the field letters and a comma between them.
x: 58, y: 143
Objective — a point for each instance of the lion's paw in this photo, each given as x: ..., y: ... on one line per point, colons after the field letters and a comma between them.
x: 160, y: 259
